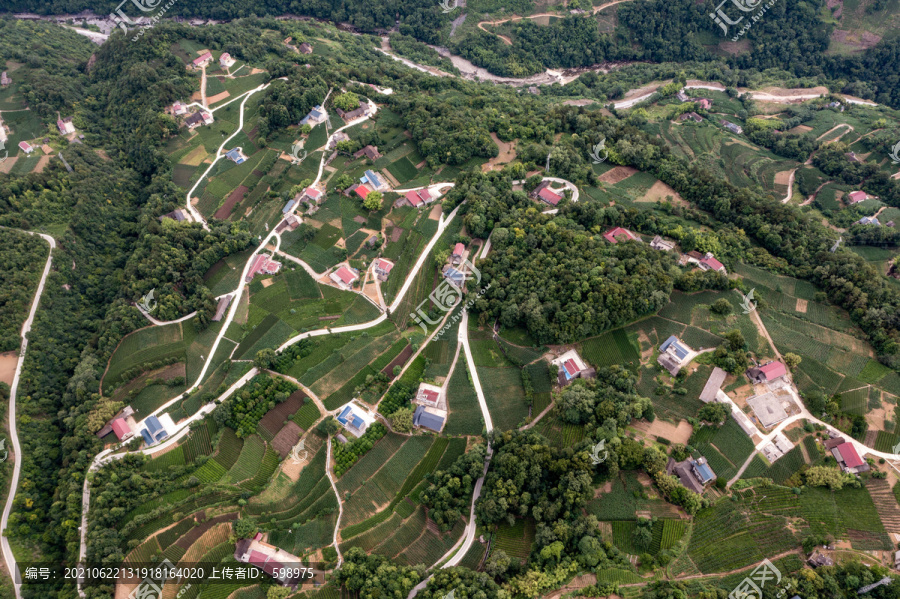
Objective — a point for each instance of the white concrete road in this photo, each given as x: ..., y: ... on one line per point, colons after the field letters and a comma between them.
x: 16, y: 450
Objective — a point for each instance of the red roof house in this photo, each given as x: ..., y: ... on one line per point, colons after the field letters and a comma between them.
x: 851, y: 458
x: 383, y: 266
x: 458, y: 249
x: 258, y: 264
x: 858, y: 196
x: 121, y: 428
x: 773, y: 370
x: 619, y: 234
x: 418, y: 198
x: 571, y: 367
x: 203, y: 59
x: 26, y: 147
x: 709, y: 262
x: 313, y: 193
x: 344, y: 276
x: 549, y: 196
x: 362, y: 191
x: 703, y: 103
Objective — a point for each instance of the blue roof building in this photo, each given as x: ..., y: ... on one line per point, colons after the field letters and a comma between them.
x: 154, y: 431
x: 352, y: 422
x: 345, y: 415
x: 289, y: 206
x: 314, y: 117
x: 702, y: 470
x: 427, y: 419
x: 235, y: 155
x: 371, y: 178
x: 674, y: 345
x: 456, y: 278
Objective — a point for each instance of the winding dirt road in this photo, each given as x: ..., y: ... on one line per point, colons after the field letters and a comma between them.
x: 508, y: 41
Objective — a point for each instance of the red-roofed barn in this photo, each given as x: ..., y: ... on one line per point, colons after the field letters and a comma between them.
x: 619, y: 234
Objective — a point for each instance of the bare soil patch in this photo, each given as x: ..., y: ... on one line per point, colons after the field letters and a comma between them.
x: 801, y: 305
x: 217, y: 98
x: 194, y: 157
x: 582, y: 102
x: 274, y: 418
x: 660, y: 192
x: 781, y: 92
x: 43, y: 161
x: 436, y: 212
x: 359, y: 219
x: 7, y: 165
x: 740, y: 47
x: 617, y: 174
x: 507, y: 154
x: 400, y: 360
x: 858, y: 40
x: 267, y: 282
x: 783, y: 178
x: 676, y: 433
x: 800, y: 129
x: 286, y: 438
x: 236, y: 196
x: 396, y: 233
x: 8, y: 363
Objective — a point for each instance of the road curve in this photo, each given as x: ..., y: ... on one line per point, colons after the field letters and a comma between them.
x: 337, y: 524
x: 8, y: 556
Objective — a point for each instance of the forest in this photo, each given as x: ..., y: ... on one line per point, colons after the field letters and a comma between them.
x: 22, y: 257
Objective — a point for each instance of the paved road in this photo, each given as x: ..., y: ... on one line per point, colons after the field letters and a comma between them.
x: 337, y: 524
x: 13, y: 435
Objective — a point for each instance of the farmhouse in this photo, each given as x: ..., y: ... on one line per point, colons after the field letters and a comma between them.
x: 345, y: 276
x: 663, y: 245
x: 372, y: 179
x: 337, y: 138
x: 691, y: 116
x: 681, y: 96
x: 779, y: 446
x: 817, y: 560
x: 571, y: 367
x: 179, y: 214
x: 382, y: 268
x: 693, y: 474
x: 673, y: 353
x: 349, y: 115
x: 315, y: 116
x: 849, y: 459
x: 430, y: 418
x: 198, y: 118
x: 291, y: 222
x: 769, y: 408
x: 154, y: 431
x: 454, y: 276
x: 732, y: 127
x: 459, y: 251
x: 26, y: 147
x: 203, y: 60
x: 305, y: 48
x: 353, y: 421
x: 262, y: 264
x: 179, y: 108
x: 226, y: 61
x: 713, y: 385
x: 289, y: 206
x: 618, y: 234
x: 221, y: 307
x: 709, y: 262
x: 359, y: 189
x: 416, y: 198
x: 852, y: 157
x: 125, y: 428
x: 857, y: 196
x: 768, y: 372
x: 868, y: 220
x: 549, y: 196
x: 65, y: 126
x: 277, y: 563
x: 429, y: 395
x: 370, y: 152
x: 4, y: 79
x: 312, y: 196
x: 236, y: 155
x: 704, y: 103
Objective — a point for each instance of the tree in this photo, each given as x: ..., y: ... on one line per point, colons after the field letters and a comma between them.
x: 497, y: 564
x: 329, y: 426
x: 824, y: 476
x: 714, y: 412
x: 306, y: 129
x: 402, y: 420
x: 278, y: 592
x: 244, y: 528
x: 722, y: 307
x: 265, y: 358
x: 792, y: 360
x: 346, y: 101
x: 342, y: 182
x: 373, y: 201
